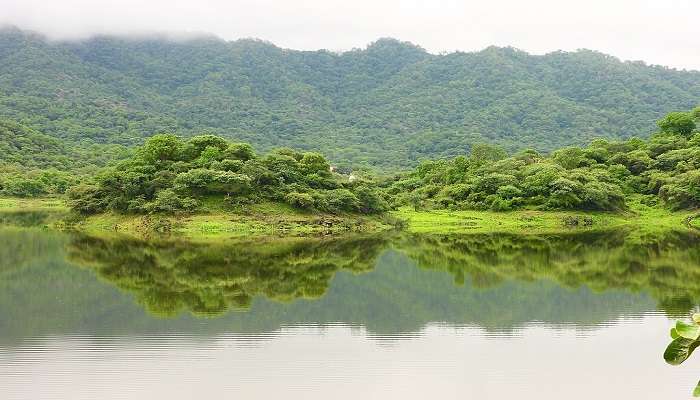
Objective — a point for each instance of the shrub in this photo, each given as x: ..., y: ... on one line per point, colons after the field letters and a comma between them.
x: 683, y: 191
x: 370, y: 201
x: 87, y: 199
x: 167, y: 201
x: 338, y: 200
x: 24, y: 187
x: 300, y: 200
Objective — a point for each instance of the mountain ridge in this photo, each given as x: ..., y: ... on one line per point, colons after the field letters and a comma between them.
x: 185, y: 37
x: 385, y: 106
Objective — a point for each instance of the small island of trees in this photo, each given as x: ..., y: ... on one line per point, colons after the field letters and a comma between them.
x: 168, y: 174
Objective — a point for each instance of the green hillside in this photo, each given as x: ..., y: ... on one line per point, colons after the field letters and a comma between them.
x: 386, y: 106
x: 29, y: 148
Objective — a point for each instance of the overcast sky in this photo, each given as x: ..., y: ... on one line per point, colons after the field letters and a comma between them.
x: 663, y: 32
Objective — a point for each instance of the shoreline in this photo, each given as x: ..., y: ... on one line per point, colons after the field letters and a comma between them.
x: 275, y: 220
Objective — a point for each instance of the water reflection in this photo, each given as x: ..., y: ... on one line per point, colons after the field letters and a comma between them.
x: 499, y: 315
x: 28, y: 219
x: 209, y: 279
x: 392, y: 284
x: 663, y: 265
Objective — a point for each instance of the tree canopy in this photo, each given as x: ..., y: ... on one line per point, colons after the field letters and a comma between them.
x: 665, y: 168
x: 168, y: 174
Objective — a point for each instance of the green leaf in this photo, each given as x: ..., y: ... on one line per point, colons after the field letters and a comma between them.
x: 696, y: 392
x: 688, y: 331
x: 674, y: 334
x: 679, y: 350
x: 696, y: 318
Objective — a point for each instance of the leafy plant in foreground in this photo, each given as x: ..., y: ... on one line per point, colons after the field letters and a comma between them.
x: 686, y: 338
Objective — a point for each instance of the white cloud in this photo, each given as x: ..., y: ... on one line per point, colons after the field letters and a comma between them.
x: 663, y: 32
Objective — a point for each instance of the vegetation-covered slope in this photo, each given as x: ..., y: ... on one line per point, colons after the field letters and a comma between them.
x: 34, y: 164
x: 29, y: 148
x: 388, y: 105
x: 601, y: 176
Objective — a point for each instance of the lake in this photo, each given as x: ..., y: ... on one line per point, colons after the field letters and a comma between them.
x: 574, y: 315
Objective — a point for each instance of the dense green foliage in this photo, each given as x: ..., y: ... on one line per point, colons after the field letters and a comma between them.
x: 20, y: 145
x: 17, y: 182
x: 33, y: 164
x: 389, y: 105
x: 168, y: 175
x: 23, y: 152
x: 666, y: 167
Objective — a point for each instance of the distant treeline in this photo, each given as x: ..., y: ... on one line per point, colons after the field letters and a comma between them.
x: 171, y: 174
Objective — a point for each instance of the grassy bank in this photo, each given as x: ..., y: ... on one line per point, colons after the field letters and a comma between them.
x: 10, y: 204
x: 43, y: 212
x: 638, y: 215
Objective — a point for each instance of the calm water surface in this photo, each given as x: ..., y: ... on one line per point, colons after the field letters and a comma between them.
x: 575, y: 316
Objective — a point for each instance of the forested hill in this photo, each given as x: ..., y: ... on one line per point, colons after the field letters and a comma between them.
x: 387, y: 105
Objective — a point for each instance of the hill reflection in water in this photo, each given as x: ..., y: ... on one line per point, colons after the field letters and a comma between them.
x: 392, y: 285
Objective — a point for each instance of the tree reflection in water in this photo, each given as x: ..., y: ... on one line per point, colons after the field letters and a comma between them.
x: 209, y: 279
